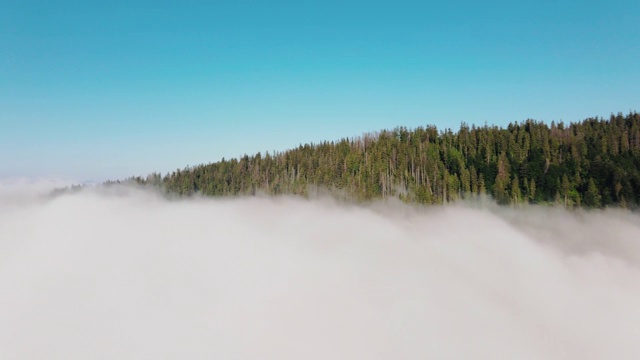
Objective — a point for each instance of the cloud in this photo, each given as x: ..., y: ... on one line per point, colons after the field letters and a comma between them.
x: 125, y: 273
x: 23, y: 189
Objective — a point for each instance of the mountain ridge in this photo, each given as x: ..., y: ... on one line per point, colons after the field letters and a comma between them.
x: 592, y: 163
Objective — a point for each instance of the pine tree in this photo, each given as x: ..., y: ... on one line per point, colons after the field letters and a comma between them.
x: 592, y: 197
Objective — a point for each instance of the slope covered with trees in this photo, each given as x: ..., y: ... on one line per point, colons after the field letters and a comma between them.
x: 593, y: 163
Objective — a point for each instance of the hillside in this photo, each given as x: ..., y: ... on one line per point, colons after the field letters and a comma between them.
x: 593, y: 163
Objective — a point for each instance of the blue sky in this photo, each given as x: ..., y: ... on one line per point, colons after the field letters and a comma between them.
x: 103, y: 90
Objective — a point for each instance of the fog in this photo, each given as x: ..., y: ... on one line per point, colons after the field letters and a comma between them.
x: 125, y: 273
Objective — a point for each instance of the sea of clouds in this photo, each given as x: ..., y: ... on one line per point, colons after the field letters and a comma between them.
x: 124, y: 273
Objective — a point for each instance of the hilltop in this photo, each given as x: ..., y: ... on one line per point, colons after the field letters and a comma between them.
x: 592, y: 163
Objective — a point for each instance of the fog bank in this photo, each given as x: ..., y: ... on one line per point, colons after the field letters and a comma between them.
x: 127, y: 274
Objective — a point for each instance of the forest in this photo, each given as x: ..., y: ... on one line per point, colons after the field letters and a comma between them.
x: 593, y: 163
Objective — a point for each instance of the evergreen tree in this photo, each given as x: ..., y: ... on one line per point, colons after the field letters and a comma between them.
x: 423, y: 165
x: 592, y: 197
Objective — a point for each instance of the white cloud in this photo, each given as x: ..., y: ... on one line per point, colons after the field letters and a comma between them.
x: 128, y: 274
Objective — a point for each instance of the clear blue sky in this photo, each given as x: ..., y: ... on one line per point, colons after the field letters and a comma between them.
x: 97, y: 90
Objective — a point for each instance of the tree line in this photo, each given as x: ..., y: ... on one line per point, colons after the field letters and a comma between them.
x: 593, y: 163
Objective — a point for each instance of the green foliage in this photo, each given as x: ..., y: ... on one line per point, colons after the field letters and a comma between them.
x: 593, y: 163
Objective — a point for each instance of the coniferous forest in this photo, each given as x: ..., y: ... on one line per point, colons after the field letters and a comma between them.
x: 593, y: 163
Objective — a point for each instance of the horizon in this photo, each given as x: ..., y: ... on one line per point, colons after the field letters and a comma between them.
x: 62, y: 181
x: 98, y: 92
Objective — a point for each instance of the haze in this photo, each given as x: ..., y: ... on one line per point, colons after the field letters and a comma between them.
x: 125, y: 273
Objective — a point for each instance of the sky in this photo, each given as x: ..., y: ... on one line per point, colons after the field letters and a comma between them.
x: 104, y: 90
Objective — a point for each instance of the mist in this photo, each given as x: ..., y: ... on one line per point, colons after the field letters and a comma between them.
x: 126, y: 273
